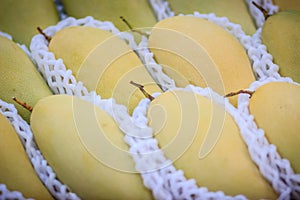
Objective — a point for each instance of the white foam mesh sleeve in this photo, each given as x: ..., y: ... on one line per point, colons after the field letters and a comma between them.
x: 263, y: 66
x: 62, y: 81
x: 43, y: 170
x: 7, y: 194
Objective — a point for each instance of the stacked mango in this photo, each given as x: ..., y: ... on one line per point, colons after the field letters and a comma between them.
x: 150, y: 99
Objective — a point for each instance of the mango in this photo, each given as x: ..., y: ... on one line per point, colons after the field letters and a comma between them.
x: 195, y: 51
x: 281, y: 35
x: 104, y: 63
x: 204, y: 141
x: 16, y: 170
x: 21, y: 18
x: 19, y: 77
x: 235, y: 10
x: 276, y: 109
x: 85, y: 148
x: 138, y: 14
x: 287, y: 4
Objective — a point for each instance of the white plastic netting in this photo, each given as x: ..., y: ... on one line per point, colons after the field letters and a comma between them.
x: 6, y: 35
x: 7, y: 194
x: 257, y: 15
x: 61, y: 80
x: 166, y: 183
x: 275, y: 169
x: 161, y: 9
x: 60, y: 9
x: 261, y: 60
x: 169, y: 183
x: 44, y: 171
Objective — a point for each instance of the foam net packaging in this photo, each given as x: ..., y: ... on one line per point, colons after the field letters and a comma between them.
x: 274, y: 168
x: 7, y: 194
x: 44, y: 171
x: 168, y: 182
x: 62, y: 81
x: 262, y: 63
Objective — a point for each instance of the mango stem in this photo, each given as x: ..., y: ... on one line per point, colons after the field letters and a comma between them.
x: 231, y: 94
x: 131, y: 28
x: 48, y: 38
x: 24, y: 104
x: 141, y: 87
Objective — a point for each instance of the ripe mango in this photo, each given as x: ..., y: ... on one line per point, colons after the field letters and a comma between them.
x: 85, y: 148
x: 104, y: 63
x: 204, y: 141
x: 195, y: 51
x: 235, y: 10
x: 276, y: 109
x: 16, y: 170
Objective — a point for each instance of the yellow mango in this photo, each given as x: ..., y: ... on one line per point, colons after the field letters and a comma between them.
x: 276, y: 109
x: 16, y: 170
x: 85, y: 148
x: 195, y: 51
x: 104, y: 63
x: 235, y: 10
x: 203, y: 140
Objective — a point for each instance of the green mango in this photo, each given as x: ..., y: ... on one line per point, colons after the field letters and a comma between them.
x: 281, y: 35
x: 138, y: 13
x: 287, y: 4
x: 19, y: 77
x: 20, y: 19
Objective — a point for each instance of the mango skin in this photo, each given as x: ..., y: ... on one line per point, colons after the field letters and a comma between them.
x: 284, y: 43
x: 21, y: 18
x: 64, y: 127
x: 184, y: 123
x: 287, y: 4
x: 139, y: 15
x: 104, y: 63
x: 195, y: 51
x: 19, y: 78
x: 16, y: 170
x: 276, y: 109
x: 235, y: 10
